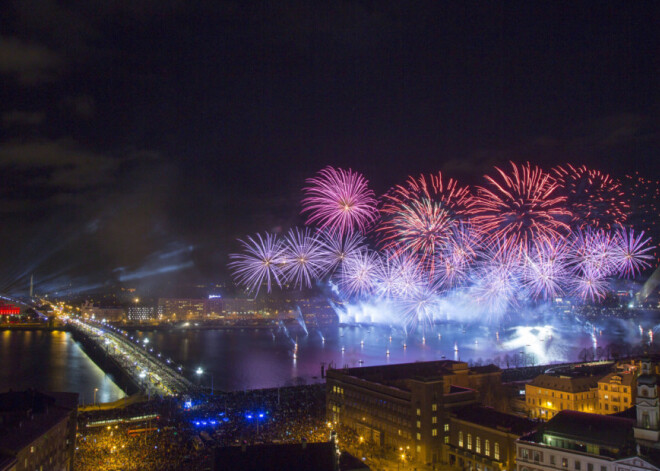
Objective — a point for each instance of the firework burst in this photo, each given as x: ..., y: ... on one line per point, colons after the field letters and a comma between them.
x: 262, y: 262
x: 593, y: 198
x: 520, y: 208
x: 304, y: 258
x: 631, y: 253
x: 358, y: 274
x: 339, y: 201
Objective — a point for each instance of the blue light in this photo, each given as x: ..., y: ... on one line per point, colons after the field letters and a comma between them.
x: 213, y: 422
x: 225, y: 419
x: 249, y: 416
x: 261, y: 416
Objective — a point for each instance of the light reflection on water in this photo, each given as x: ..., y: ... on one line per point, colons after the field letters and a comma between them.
x: 246, y: 359
x: 52, y: 361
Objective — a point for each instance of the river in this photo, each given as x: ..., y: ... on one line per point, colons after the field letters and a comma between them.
x: 258, y: 358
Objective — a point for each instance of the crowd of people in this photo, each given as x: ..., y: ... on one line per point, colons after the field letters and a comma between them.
x: 187, y: 429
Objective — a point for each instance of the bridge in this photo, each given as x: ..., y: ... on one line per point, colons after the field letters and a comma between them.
x: 147, y: 371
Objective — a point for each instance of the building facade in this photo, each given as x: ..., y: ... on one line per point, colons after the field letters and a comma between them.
x: 616, y: 392
x: 548, y: 394
x: 405, y: 406
x: 483, y: 439
x: 39, y: 430
x: 182, y: 308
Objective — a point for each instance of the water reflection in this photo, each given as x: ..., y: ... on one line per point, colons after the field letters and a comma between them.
x: 52, y: 361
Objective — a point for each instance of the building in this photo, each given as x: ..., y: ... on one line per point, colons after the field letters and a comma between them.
x: 142, y: 313
x: 324, y: 456
x: 483, y: 439
x: 616, y: 392
x: 108, y: 314
x: 647, y: 426
x: 580, y: 441
x: 38, y: 430
x: 548, y: 394
x: 182, y: 308
x: 9, y: 309
x: 405, y: 406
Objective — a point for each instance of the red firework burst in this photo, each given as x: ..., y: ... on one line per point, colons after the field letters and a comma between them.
x: 418, y: 216
x: 522, y: 208
x: 594, y: 198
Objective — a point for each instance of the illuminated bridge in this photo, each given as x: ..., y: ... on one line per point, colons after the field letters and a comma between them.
x: 147, y: 371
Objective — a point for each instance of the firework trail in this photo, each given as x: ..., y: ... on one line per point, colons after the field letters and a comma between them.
x: 339, y: 201
x: 594, y: 198
x: 520, y: 208
x: 397, y: 275
x: 338, y: 248
x: 262, y: 261
x: 459, y: 255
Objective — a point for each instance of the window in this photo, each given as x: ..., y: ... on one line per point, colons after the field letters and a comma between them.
x: 605, y: 387
x: 603, y: 468
x: 564, y: 463
x: 419, y: 424
x: 31, y: 449
x: 434, y: 420
x: 537, y: 456
x: 578, y: 465
x: 607, y: 407
x: 590, y: 467
x: 469, y: 441
x: 606, y: 397
x: 419, y: 436
x: 434, y: 407
x: 446, y: 439
x: 496, y: 451
x: 477, y: 447
x: 446, y: 427
x: 419, y: 412
x: 524, y: 453
x: 487, y: 447
x: 434, y: 432
x: 552, y: 459
x: 460, y: 438
x: 419, y: 449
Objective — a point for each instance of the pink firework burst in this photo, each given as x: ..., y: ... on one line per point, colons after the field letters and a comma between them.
x: 546, y: 269
x: 339, y: 201
x: 418, y: 216
x: 358, y: 273
x: 590, y: 284
x: 594, y: 198
x: 521, y: 208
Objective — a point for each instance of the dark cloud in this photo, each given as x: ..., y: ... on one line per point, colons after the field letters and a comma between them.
x: 28, y: 63
x: 22, y: 118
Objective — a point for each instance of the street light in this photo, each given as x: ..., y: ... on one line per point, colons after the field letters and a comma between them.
x: 200, y: 372
x: 95, y: 389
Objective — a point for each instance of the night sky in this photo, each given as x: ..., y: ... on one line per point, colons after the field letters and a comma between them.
x: 139, y: 139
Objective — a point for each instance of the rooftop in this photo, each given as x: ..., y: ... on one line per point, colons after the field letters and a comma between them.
x: 572, y: 384
x: 427, y: 371
x: 489, y: 417
x: 289, y: 456
x: 607, y: 431
x: 26, y: 415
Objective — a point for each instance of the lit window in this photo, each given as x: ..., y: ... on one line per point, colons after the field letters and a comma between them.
x: 419, y: 424
x: 446, y: 427
x: 419, y: 411
x: 477, y: 448
x: 434, y: 407
x: 496, y: 451
x: 434, y: 420
x: 446, y: 439
x: 487, y: 447
x: 419, y: 436
x: 460, y: 438
x: 469, y: 441
x: 434, y: 432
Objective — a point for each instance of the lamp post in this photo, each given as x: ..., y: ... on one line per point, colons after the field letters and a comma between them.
x: 95, y: 389
x: 200, y: 372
